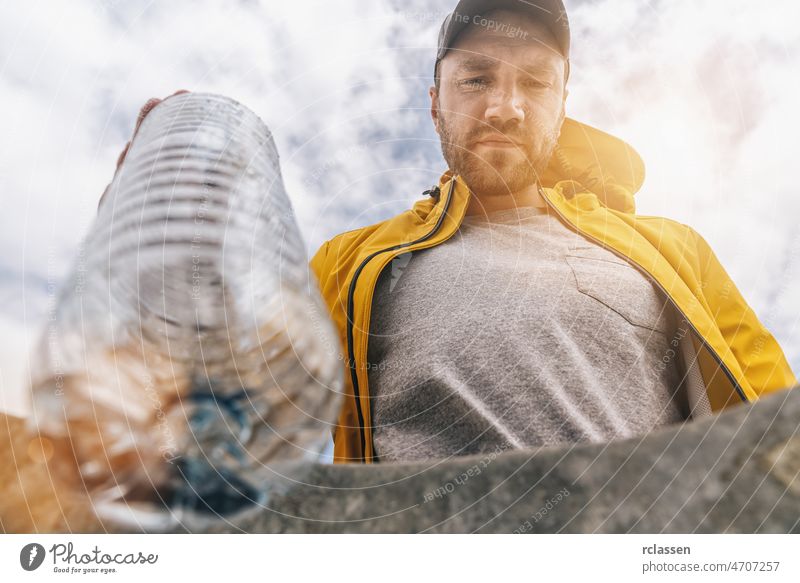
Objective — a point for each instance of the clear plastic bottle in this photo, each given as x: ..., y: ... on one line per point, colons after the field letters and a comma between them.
x: 190, y: 356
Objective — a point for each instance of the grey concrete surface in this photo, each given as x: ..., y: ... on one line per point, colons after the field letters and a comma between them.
x: 735, y: 472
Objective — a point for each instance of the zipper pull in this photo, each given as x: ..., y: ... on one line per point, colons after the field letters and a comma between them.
x: 434, y: 192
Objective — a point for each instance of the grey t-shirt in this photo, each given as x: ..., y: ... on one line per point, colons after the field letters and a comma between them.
x: 517, y: 332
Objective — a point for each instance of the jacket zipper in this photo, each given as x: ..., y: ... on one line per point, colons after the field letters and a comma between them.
x: 649, y: 276
x: 351, y: 363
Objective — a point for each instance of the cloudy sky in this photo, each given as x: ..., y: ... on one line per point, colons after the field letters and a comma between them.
x: 706, y: 90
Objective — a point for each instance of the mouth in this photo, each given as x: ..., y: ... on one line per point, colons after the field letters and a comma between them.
x: 497, y: 142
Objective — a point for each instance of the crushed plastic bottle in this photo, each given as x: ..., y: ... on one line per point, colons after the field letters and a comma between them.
x: 190, y: 353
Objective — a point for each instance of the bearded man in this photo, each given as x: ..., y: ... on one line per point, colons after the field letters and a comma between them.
x: 523, y: 303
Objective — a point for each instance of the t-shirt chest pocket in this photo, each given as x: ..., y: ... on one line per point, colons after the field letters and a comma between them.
x: 620, y: 287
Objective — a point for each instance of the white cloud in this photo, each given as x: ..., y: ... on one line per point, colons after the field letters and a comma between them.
x: 706, y: 91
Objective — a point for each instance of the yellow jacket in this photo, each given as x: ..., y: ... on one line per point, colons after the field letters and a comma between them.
x: 590, y: 184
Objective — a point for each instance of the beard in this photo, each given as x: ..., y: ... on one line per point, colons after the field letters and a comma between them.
x: 498, y: 172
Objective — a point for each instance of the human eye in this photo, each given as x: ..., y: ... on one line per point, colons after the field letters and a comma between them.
x: 538, y: 83
x: 474, y: 83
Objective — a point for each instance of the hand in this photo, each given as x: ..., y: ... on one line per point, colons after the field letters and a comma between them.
x: 146, y: 108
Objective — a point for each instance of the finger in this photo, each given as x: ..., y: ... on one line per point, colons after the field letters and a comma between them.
x: 123, y: 154
x: 146, y: 108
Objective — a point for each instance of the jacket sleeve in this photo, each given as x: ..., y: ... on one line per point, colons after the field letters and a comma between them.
x: 760, y: 356
x: 316, y: 264
x: 318, y: 261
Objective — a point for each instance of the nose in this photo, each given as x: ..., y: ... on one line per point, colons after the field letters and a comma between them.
x: 504, y: 106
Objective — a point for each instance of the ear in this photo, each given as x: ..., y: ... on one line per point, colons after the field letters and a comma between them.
x: 434, y: 107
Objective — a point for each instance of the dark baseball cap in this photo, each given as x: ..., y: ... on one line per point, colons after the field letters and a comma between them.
x: 550, y: 12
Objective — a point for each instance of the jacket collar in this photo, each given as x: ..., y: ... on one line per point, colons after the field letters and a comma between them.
x: 585, y: 160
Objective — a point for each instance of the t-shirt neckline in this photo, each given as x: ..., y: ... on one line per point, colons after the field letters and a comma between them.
x: 511, y: 215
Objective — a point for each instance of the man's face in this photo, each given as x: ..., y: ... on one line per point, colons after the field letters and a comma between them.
x: 500, y: 104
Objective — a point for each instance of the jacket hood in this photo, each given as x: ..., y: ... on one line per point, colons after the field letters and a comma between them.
x: 601, y: 163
